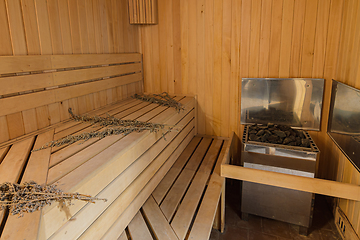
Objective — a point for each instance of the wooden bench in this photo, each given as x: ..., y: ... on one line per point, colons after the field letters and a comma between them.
x: 186, y: 203
x: 37, y: 92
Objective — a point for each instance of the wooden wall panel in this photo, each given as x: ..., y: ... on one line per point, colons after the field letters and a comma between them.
x: 223, y: 41
x: 36, y: 27
x: 347, y: 71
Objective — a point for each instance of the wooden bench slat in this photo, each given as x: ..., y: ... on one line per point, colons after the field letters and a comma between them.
x: 118, y: 205
x: 110, y: 108
x: 76, y: 160
x: 185, y: 213
x: 27, y: 226
x: 198, y: 155
x: 3, y: 152
x: 91, y: 87
x: 123, y: 236
x: 33, y: 100
x: 124, y: 219
x: 65, y: 152
x: 138, y: 229
x: 205, y: 217
x: 25, y: 83
x: 13, y: 163
x: 77, y: 60
x: 13, y: 64
x: 172, y: 199
x: 66, y: 77
x: 83, y: 178
x: 164, y: 186
x: 157, y: 221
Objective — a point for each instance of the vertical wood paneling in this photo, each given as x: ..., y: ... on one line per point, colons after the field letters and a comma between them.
x: 17, y: 32
x: 65, y: 27
x: 347, y: 71
x: 287, y: 38
x: 43, y: 26
x: 31, y: 29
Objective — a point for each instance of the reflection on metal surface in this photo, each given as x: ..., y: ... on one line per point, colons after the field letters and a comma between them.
x: 344, y: 120
x: 295, y: 102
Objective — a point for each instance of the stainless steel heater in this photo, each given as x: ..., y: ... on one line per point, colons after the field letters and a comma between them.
x: 276, y: 113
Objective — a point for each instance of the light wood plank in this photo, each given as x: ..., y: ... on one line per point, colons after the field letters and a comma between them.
x: 138, y: 229
x: 30, y: 26
x: 67, y: 77
x: 30, y: 122
x: 65, y: 26
x: 285, y: 49
x: 84, y: 36
x: 275, y: 38
x: 55, y: 27
x: 157, y: 220
x: 27, y: 226
x: 297, y: 38
x: 99, y: 227
x: 61, y: 61
x: 25, y: 83
x: 314, y: 185
x: 121, y: 222
x: 205, y: 217
x: 3, y: 152
x: 16, y: 26
x: 187, y: 208
x: 123, y: 236
x: 163, y: 187
x: 13, y: 163
x: 15, y: 125
x: 307, y: 55
x: 13, y: 64
x: 82, y: 179
x: 5, y: 39
x: 44, y: 26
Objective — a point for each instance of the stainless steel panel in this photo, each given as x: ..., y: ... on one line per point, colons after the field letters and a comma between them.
x: 344, y: 120
x: 295, y: 102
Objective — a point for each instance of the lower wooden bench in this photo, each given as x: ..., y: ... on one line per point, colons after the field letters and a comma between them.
x: 184, y: 205
x: 123, y: 169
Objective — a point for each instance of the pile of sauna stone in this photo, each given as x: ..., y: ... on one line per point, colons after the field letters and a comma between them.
x: 278, y: 134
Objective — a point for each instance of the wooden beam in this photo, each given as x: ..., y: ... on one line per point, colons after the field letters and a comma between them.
x: 313, y: 185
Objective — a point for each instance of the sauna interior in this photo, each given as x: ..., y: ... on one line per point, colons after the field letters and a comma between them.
x: 93, y: 56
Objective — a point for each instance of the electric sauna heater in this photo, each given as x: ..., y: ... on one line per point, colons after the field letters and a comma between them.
x: 276, y: 113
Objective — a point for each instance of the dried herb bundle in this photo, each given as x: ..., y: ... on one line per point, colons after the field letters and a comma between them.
x: 115, y: 126
x: 70, y: 139
x: 162, y: 99
x: 113, y: 121
x: 30, y: 197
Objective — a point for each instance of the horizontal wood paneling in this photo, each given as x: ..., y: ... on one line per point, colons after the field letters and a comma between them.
x: 46, y: 27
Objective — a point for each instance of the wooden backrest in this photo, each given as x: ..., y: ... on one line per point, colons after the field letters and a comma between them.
x: 36, y: 91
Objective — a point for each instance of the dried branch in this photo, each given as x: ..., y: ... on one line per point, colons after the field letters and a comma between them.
x: 30, y: 197
x: 163, y: 99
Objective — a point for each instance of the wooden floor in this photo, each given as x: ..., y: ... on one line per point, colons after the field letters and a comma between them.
x: 180, y: 206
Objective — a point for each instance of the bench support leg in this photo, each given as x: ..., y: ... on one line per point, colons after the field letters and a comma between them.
x: 219, y: 220
x: 222, y: 212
